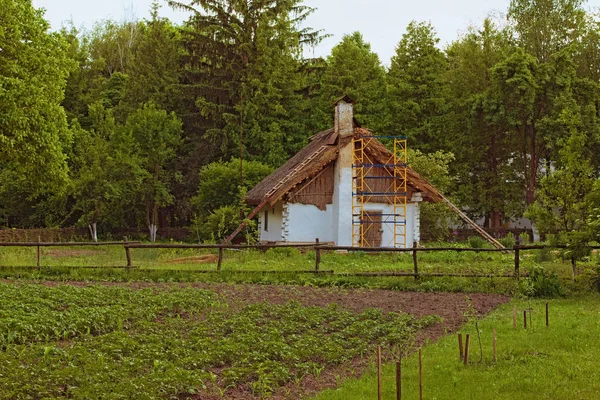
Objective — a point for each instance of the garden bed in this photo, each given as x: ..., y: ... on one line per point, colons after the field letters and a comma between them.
x: 205, y: 341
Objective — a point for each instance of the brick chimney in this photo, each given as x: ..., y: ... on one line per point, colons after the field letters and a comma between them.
x: 344, y: 117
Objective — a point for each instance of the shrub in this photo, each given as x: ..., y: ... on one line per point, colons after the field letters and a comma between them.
x: 508, y: 241
x: 476, y: 242
x: 541, y: 283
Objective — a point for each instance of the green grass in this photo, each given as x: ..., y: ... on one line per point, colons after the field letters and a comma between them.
x: 119, y: 343
x: 558, y: 362
x: 240, y: 267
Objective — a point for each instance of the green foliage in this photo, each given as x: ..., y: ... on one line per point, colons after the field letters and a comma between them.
x: 155, y: 136
x: 417, y: 89
x: 354, y: 70
x: 564, y: 199
x: 509, y: 240
x: 541, y: 283
x: 219, y: 183
x: 116, y: 342
x: 477, y: 242
x: 34, y: 66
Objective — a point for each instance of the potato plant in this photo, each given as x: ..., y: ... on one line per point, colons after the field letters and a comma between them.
x: 121, y: 343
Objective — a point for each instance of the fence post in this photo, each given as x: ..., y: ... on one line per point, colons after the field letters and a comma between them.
x: 127, y: 252
x: 415, y: 264
x: 220, y: 262
x: 39, y: 254
x: 317, y: 255
x: 517, y: 260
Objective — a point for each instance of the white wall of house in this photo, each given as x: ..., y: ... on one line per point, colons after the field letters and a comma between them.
x: 274, y: 223
x: 294, y: 222
x: 306, y: 222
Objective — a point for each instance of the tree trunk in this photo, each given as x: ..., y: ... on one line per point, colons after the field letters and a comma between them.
x: 93, y: 231
x: 152, y: 219
x: 533, y: 168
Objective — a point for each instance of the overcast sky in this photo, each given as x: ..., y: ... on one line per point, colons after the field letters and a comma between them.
x: 382, y: 22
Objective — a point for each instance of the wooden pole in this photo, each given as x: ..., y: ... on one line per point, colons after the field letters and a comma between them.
x: 39, y: 253
x: 127, y: 252
x: 525, y: 319
x: 494, y: 344
x: 378, y: 372
x: 466, y: 359
x: 399, y: 379
x: 517, y: 261
x: 547, y: 315
x: 317, y: 255
x: 460, y: 347
x: 220, y: 261
x: 515, y: 317
x: 415, y: 264
x: 420, y: 375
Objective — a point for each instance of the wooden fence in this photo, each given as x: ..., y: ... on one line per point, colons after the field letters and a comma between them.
x: 316, y: 246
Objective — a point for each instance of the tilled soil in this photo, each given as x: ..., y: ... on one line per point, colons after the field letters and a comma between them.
x: 451, y: 307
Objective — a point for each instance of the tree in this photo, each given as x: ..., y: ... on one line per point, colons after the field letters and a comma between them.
x: 218, y: 186
x: 154, y: 71
x: 242, y: 78
x: 435, y: 167
x: 543, y: 27
x: 565, y: 199
x: 486, y: 179
x: 354, y: 70
x: 104, y: 172
x: 34, y: 66
x: 156, y: 136
x: 417, y: 90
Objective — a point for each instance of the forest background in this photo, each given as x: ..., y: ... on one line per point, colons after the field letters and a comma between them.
x: 144, y: 123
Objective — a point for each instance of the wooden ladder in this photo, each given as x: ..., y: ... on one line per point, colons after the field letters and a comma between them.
x: 469, y: 221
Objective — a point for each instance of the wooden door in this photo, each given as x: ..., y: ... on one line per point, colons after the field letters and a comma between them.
x: 372, y: 229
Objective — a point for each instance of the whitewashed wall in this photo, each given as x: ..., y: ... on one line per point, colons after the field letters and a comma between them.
x: 274, y: 233
x: 306, y: 222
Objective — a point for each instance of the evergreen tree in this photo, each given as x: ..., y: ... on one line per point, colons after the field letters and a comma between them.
x: 354, y: 70
x: 417, y: 90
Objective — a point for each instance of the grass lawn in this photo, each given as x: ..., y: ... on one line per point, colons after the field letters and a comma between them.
x: 558, y: 362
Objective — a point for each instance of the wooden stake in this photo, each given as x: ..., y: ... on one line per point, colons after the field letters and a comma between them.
x: 517, y: 261
x: 515, y: 317
x: 460, y: 347
x: 525, y: 319
x: 466, y: 359
x: 494, y: 344
x: 547, y: 315
x: 317, y: 255
x: 399, y: 379
x: 378, y: 372
x: 421, y: 375
x: 415, y: 264
x: 220, y: 261
x: 127, y: 252
x: 39, y: 254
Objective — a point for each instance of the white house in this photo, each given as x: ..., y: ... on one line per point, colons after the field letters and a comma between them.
x: 311, y: 195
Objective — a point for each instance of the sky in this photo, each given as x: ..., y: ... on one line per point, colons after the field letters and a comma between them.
x: 382, y: 22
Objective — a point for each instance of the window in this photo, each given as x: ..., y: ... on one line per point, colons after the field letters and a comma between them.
x: 266, y: 220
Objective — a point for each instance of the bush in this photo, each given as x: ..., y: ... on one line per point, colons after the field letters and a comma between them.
x: 541, y: 283
x: 508, y: 241
x: 476, y: 242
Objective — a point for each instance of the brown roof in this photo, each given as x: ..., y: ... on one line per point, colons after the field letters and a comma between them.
x: 321, y: 150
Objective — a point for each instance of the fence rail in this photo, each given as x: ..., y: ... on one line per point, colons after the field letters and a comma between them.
x: 317, y: 246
